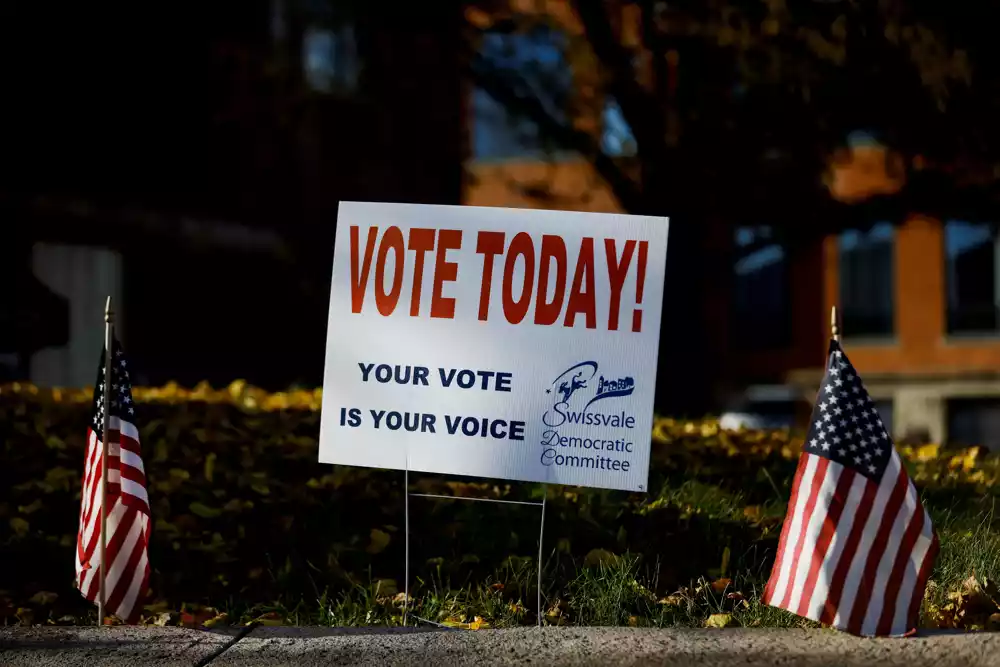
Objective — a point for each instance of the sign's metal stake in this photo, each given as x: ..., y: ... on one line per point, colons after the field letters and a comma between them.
x: 406, y: 529
x: 541, y: 541
x: 406, y: 505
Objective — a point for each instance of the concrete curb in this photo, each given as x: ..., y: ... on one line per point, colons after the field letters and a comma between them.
x: 271, y: 646
x: 121, y: 645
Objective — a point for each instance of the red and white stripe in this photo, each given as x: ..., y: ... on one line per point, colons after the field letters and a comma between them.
x: 127, y: 540
x: 853, y: 554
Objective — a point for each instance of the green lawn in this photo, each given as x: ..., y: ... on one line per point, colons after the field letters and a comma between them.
x: 247, y: 523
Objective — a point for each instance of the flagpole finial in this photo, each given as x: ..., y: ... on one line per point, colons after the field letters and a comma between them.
x: 109, y: 314
x: 834, y: 324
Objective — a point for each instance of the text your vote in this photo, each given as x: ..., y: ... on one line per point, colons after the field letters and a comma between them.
x: 463, y: 378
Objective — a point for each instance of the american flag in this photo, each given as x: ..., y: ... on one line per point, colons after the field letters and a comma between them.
x: 857, y: 545
x: 127, y: 540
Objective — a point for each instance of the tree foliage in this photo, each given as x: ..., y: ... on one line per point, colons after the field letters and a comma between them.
x: 757, y: 98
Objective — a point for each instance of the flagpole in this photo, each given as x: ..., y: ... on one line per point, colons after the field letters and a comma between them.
x: 108, y: 337
x: 834, y: 324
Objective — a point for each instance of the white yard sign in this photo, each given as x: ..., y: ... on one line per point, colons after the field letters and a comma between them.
x: 505, y: 343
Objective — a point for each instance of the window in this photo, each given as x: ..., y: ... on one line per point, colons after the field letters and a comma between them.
x: 972, y: 255
x: 330, y: 58
x: 974, y: 421
x: 536, y: 62
x: 866, y: 282
x: 761, y: 308
x: 617, y: 139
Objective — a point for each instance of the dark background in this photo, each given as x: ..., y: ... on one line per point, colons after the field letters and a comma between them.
x: 197, y: 140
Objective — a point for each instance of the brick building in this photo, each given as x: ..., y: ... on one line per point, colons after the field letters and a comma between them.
x: 919, y: 297
x: 920, y: 304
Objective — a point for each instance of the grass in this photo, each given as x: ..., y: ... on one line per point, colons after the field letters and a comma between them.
x: 618, y: 590
x: 611, y: 593
x: 970, y: 545
x: 247, y: 524
x: 607, y: 589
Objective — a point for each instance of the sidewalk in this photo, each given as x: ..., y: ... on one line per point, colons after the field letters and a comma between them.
x: 305, y: 647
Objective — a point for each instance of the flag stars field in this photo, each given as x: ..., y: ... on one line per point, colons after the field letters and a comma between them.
x: 844, y: 425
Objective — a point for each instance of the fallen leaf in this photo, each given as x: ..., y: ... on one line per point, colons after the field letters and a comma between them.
x: 386, y: 588
x: 720, y: 585
x: 674, y: 600
x: 928, y: 452
x: 165, y: 618
x: 204, y: 511
x: 217, y: 620
x: 234, y: 505
x: 210, y: 466
x: 478, y: 623
x: 272, y: 619
x: 599, y: 557
x: 44, y: 598
x: 379, y: 540
x: 52, y: 442
x: 195, y: 616
x: 19, y: 526
x: 719, y: 621
x: 32, y: 508
x: 966, y: 460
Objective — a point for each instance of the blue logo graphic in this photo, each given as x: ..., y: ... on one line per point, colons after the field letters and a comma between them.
x: 611, y: 388
x: 573, y: 379
x: 577, y: 437
x: 584, y: 381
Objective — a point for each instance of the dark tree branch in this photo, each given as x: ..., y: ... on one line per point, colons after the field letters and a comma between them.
x: 807, y: 84
x: 505, y: 88
x: 642, y: 112
x: 655, y: 42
